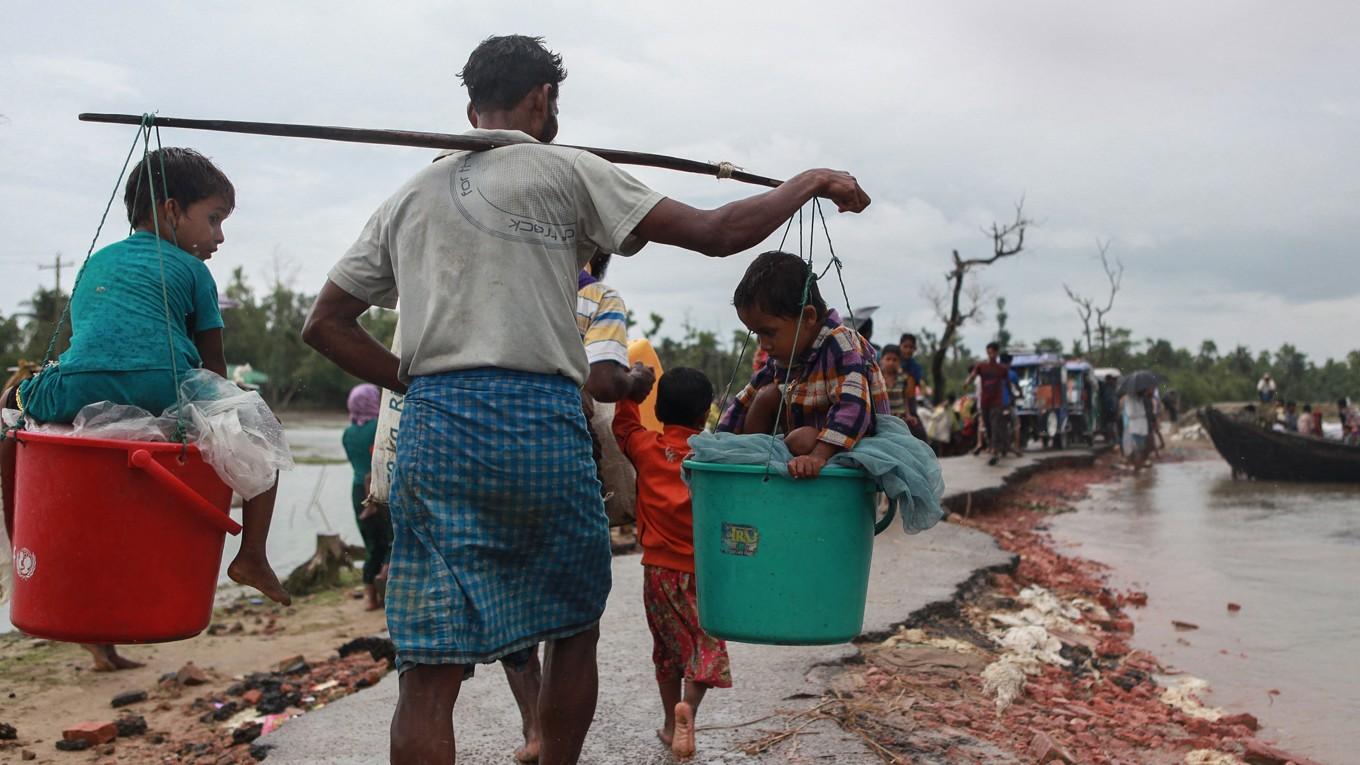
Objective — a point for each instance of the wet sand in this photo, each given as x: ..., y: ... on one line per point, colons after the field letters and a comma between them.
x: 1288, y: 554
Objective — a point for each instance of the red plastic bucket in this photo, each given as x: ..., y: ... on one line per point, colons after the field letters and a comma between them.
x: 115, y: 541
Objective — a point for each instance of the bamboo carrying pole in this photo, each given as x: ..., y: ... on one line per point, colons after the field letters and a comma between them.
x: 429, y: 141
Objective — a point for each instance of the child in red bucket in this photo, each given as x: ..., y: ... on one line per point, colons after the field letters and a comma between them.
x: 836, y: 389
x: 136, y: 302
x: 688, y: 661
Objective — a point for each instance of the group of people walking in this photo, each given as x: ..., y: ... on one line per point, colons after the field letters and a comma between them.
x: 500, y: 537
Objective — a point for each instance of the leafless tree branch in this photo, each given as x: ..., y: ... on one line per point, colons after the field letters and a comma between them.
x: 1007, y: 240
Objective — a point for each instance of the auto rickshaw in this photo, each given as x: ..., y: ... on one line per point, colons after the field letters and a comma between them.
x: 1042, y: 407
x: 1082, y: 405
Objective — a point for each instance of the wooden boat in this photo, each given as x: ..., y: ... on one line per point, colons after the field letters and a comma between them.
x: 1269, y: 455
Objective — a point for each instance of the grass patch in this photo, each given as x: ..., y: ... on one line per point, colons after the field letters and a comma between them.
x: 313, y: 459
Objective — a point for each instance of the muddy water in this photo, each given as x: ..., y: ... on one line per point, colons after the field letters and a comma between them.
x: 1289, y: 554
x: 314, y: 497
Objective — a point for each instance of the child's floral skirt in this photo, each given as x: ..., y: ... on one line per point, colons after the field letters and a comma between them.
x: 680, y: 647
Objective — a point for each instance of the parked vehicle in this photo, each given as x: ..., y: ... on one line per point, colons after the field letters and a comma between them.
x: 1082, y: 405
x: 1042, y: 406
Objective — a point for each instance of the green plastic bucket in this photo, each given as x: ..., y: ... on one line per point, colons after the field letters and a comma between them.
x: 779, y: 561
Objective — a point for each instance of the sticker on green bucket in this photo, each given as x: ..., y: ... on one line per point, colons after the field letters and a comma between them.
x: 739, y: 540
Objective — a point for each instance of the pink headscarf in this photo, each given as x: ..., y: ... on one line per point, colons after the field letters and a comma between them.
x: 364, y: 401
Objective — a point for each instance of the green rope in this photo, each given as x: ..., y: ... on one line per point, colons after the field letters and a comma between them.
x: 66, y: 310
x: 181, y: 432
x: 797, y: 333
x: 817, y: 206
x: 143, y: 135
x: 812, y: 276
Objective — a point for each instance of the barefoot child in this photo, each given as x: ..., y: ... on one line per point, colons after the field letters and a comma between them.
x: 124, y: 297
x: 688, y: 661
x: 836, y: 388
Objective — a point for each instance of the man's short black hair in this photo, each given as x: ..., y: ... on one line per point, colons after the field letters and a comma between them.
x: 599, y: 264
x: 502, y: 71
x: 774, y: 284
x: 905, y: 337
x: 891, y: 350
x: 188, y: 177
x: 683, y: 397
x: 994, y: 344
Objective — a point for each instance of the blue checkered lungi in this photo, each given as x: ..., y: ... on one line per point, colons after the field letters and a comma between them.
x: 500, y: 535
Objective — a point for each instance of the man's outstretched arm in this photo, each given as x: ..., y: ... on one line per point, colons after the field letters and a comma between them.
x: 743, y: 224
x: 333, y: 329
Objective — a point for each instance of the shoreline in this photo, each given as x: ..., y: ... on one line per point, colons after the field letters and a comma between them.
x: 1046, y: 639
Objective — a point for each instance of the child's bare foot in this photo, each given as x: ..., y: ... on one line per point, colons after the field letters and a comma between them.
x: 106, y: 658
x: 371, y: 598
x: 667, y: 736
x: 380, y: 586
x: 528, y: 752
x: 255, y: 572
x: 682, y: 744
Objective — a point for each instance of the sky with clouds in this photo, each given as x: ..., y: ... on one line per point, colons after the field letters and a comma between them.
x: 1212, y: 144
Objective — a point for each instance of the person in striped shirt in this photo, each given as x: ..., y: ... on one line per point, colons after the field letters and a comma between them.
x: 835, y: 390
x: 602, y: 318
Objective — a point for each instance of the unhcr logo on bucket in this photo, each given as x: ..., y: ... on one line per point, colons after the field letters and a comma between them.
x: 739, y: 540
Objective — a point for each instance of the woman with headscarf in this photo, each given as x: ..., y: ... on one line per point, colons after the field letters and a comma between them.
x: 375, y: 525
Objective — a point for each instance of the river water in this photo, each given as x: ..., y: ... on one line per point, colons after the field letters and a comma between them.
x: 314, y: 497
x: 1289, y: 554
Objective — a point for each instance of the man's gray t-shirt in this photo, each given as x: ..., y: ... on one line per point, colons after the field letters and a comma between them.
x: 484, y: 249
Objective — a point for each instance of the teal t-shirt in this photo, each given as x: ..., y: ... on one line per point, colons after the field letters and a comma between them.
x: 358, y: 441
x: 118, y: 314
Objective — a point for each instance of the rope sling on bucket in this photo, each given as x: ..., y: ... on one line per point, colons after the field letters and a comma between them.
x: 146, y: 125
x: 785, y: 388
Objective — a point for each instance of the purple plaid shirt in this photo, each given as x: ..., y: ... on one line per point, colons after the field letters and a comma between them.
x: 836, y: 387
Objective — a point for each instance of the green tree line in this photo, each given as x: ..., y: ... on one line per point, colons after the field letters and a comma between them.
x: 264, y: 330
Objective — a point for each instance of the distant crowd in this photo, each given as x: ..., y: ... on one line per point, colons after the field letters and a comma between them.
x: 1292, y: 417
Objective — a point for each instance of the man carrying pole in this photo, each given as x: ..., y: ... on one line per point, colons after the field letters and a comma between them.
x: 501, y: 539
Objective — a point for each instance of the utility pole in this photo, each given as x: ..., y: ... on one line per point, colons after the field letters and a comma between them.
x: 57, y: 265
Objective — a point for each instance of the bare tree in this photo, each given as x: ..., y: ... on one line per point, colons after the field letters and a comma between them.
x: 1088, y: 308
x: 1007, y: 240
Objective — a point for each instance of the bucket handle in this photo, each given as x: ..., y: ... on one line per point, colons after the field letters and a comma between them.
x: 206, y: 512
x: 882, y: 525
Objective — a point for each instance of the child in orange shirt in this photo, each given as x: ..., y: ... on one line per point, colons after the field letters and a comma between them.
x: 688, y: 661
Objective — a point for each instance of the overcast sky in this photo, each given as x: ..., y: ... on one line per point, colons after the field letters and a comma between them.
x: 1214, y: 144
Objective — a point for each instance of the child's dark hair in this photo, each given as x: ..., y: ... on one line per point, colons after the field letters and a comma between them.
x: 995, y: 345
x: 188, y: 177
x: 502, y: 71
x: 683, y: 397
x: 774, y: 284
x: 890, y: 350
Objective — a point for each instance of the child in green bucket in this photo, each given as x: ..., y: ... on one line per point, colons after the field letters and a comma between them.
x: 688, y: 660
x: 836, y: 388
